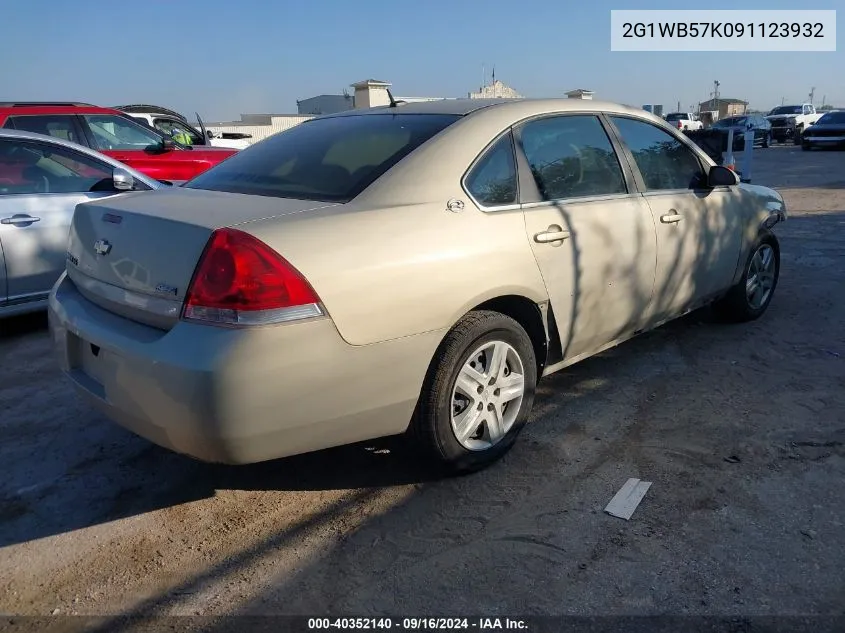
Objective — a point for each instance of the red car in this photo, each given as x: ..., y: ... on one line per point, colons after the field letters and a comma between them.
x: 115, y: 134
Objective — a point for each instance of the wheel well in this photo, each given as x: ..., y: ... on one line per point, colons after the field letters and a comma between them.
x: 528, y: 315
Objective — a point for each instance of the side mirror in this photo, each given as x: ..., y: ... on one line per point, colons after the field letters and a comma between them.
x: 209, y: 134
x: 720, y: 176
x: 122, y: 180
x: 167, y: 143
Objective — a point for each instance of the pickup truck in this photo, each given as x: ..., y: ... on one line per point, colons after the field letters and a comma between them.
x: 790, y: 121
x: 684, y: 121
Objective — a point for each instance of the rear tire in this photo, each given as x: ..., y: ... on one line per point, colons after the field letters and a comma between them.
x: 767, y: 140
x: 467, y: 424
x: 750, y: 297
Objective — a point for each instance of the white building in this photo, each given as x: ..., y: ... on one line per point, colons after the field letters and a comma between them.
x: 259, y: 126
x: 369, y: 93
x: 495, y: 90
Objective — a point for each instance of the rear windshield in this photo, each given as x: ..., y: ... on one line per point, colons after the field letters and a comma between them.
x: 677, y: 116
x: 330, y: 159
x: 832, y: 117
x: 786, y: 110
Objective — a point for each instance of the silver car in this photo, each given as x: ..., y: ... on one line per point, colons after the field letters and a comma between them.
x: 42, y: 179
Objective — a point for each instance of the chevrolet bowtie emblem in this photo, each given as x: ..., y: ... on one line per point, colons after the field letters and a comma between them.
x: 102, y: 247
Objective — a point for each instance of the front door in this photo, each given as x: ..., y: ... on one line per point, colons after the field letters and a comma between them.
x: 698, y: 238
x: 593, y: 237
x: 40, y: 186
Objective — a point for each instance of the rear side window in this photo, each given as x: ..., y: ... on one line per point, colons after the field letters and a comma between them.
x: 572, y: 156
x: 50, y: 125
x: 492, y: 181
x: 332, y: 159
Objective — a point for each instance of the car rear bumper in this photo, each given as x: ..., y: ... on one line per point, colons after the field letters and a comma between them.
x: 237, y: 395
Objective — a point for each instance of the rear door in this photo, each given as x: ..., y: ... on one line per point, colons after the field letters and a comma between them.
x: 699, y: 230
x: 592, y: 234
x: 40, y: 185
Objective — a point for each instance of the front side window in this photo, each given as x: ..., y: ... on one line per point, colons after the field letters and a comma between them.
x: 60, y: 126
x: 113, y: 132
x: 492, y: 181
x: 179, y: 131
x: 571, y: 156
x: 29, y: 167
x: 664, y: 162
x: 330, y: 159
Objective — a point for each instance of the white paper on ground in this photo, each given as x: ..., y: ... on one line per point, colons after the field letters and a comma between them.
x: 628, y: 498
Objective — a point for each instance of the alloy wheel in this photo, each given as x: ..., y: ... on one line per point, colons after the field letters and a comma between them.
x: 487, y: 395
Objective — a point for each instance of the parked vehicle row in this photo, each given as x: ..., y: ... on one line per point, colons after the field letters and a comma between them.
x: 408, y: 269
x: 114, y: 134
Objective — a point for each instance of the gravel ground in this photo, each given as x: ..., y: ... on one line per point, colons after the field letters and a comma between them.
x: 741, y: 429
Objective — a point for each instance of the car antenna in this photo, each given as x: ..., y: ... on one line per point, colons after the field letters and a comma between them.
x: 393, y: 102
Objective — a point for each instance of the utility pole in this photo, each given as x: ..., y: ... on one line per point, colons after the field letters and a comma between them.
x: 715, y: 102
x: 812, y: 92
x: 782, y: 100
x: 824, y: 99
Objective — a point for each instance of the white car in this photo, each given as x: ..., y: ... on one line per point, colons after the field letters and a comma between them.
x: 169, y: 122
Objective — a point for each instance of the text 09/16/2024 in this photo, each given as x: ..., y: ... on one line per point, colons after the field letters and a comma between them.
x: 723, y: 30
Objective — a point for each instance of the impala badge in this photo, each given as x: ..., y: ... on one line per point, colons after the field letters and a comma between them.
x: 167, y: 290
x: 102, y: 247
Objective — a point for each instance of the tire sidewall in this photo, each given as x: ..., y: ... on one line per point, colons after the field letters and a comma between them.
x: 448, y: 444
x: 773, y: 243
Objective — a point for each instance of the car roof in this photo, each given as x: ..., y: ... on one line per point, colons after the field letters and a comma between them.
x: 518, y: 107
x: 32, y: 136
x: 10, y: 108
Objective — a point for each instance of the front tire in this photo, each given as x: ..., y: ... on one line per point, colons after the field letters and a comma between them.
x: 799, y: 133
x: 750, y: 297
x: 767, y: 140
x: 478, y: 392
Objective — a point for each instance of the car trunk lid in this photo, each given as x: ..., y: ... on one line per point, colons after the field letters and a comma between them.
x: 135, y: 255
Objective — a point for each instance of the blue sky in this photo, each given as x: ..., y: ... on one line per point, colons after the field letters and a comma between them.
x: 225, y: 57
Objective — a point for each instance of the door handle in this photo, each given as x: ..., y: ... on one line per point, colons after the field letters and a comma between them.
x: 553, y: 234
x: 671, y: 217
x: 19, y: 219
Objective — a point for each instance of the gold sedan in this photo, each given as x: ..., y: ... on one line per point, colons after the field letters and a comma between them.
x: 409, y: 269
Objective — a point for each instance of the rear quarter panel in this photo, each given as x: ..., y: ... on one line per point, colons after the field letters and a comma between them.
x: 392, y: 272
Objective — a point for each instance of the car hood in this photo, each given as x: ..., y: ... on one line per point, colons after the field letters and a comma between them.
x: 782, y: 116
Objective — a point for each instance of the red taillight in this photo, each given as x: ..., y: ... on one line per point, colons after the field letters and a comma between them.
x: 241, y: 281
x: 680, y: 125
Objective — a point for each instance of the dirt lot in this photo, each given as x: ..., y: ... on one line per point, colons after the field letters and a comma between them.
x: 741, y: 429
